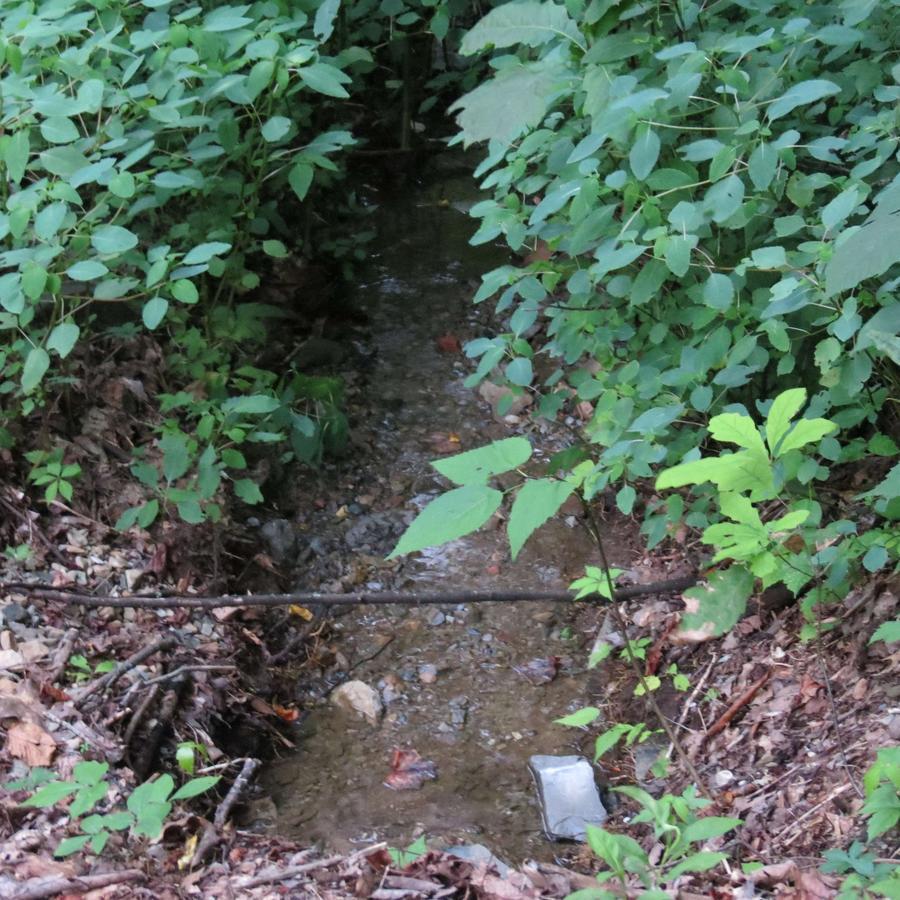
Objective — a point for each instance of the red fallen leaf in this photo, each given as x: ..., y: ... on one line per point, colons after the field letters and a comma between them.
x: 448, y: 343
x: 409, y: 771
x: 539, y: 671
x: 54, y: 693
x: 284, y: 712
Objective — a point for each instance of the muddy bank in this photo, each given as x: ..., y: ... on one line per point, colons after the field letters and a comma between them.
x: 455, y: 682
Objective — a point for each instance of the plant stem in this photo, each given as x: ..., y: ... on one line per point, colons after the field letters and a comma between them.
x: 594, y: 530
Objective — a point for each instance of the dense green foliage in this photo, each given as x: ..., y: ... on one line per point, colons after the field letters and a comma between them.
x: 709, y: 198
x: 160, y: 160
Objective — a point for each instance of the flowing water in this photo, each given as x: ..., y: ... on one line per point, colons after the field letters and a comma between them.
x: 453, y: 677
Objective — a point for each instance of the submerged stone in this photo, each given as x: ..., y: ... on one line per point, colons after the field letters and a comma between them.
x: 568, y: 795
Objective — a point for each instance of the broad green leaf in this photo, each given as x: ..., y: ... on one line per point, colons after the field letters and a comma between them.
x: 580, y: 718
x: 87, y: 270
x: 49, y: 220
x: 68, y: 846
x: 762, y: 166
x: 50, y: 794
x: 707, y: 828
x: 110, y: 239
x: 203, y: 253
x: 530, y: 23
x: 644, y: 152
x: 505, y: 106
x: 275, y: 128
x: 477, y: 466
x: 252, y: 404
x: 154, y: 312
x: 806, y: 431
x: 867, y: 253
x: 734, y: 428
x: 195, y: 786
x: 248, y: 491
x: 697, y: 862
x: 718, y: 292
x: 519, y: 371
x: 275, y: 248
x: 450, y: 516
x: 59, y: 130
x: 323, y: 24
x: 185, y: 291
x: 325, y: 79
x: 300, y: 178
x: 537, y: 500
x: 876, y: 558
x: 784, y: 407
x: 889, y: 632
x: 122, y: 184
x: 801, y: 94
x: 63, y: 338
x: 838, y: 209
x: 16, y: 155
x: 678, y: 253
x: 191, y: 512
x: 36, y: 364
x: 34, y: 280
x: 606, y: 741
x: 176, y: 457
x: 714, y: 608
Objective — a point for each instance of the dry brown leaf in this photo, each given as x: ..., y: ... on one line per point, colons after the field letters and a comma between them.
x: 30, y: 743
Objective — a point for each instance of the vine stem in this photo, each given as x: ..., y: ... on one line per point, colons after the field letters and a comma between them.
x: 594, y: 530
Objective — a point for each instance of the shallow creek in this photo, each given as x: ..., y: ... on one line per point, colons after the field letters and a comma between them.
x: 448, y: 674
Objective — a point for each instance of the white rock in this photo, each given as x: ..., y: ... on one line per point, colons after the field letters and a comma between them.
x: 358, y: 697
x: 11, y: 659
x: 723, y: 778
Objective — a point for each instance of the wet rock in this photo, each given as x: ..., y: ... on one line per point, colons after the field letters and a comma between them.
x: 13, y: 612
x: 478, y: 853
x: 359, y: 698
x: 280, y: 540
x: 723, y: 778
x: 568, y: 795
x: 645, y: 757
x: 428, y: 674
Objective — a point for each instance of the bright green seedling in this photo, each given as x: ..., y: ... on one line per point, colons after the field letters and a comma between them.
x: 678, y: 830
x: 402, y: 858
x: 882, y: 785
x: 147, y: 806
x: 186, y: 754
x: 50, y: 472
x: 80, y: 669
x: 751, y: 469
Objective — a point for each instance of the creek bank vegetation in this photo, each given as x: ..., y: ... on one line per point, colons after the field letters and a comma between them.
x: 704, y: 202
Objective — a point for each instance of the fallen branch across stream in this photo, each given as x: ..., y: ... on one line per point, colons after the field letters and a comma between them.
x: 313, y: 598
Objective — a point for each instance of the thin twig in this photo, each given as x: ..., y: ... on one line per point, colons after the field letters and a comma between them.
x: 290, y: 872
x: 690, y: 700
x: 183, y: 670
x: 722, y: 722
x: 840, y: 789
x: 237, y: 788
x: 372, y: 598
x: 61, y: 656
x: 38, y: 888
x: 594, y: 529
x: 137, y: 717
x: 835, y: 720
x: 110, y: 678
